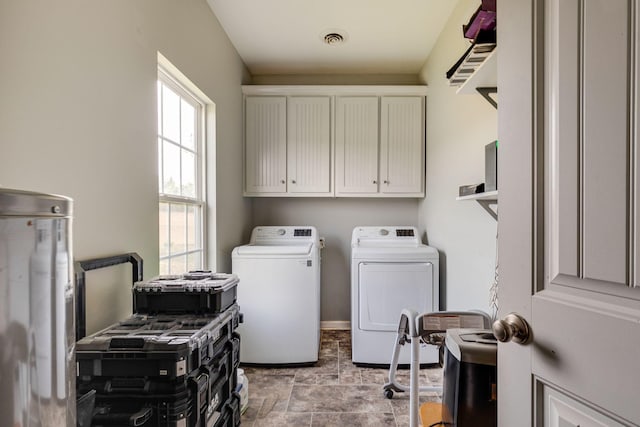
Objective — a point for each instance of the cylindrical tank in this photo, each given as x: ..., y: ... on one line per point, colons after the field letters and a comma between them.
x: 37, y: 377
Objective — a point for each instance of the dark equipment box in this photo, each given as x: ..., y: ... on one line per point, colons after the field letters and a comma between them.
x: 199, y: 401
x: 469, y: 395
x: 166, y: 414
x: 197, y: 292
x: 165, y: 371
x: 155, y: 346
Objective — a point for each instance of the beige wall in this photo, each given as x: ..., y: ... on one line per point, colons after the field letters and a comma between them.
x: 78, y: 118
x: 335, y: 219
x: 458, y: 127
x: 337, y: 79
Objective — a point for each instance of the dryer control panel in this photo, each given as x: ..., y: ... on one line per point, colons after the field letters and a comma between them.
x: 384, y: 236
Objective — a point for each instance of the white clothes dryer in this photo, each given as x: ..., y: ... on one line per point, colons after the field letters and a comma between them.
x: 279, y: 295
x: 391, y: 270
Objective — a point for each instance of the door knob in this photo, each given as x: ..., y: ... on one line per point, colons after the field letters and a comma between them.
x: 512, y: 328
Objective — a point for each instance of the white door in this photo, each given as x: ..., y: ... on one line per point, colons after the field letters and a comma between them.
x: 356, y: 145
x: 309, y: 144
x: 568, y: 225
x: 265, y: 144
x: 386, y: 288
x: 402, y: 144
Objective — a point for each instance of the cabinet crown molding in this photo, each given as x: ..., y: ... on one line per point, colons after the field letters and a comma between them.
x: 342, y: 90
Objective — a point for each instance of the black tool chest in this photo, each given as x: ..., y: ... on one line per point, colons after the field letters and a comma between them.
x: 165, y: 369
x: 196, y: 292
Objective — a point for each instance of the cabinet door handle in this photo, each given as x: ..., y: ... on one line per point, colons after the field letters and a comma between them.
x: 375, y: 182
x: 282, y: 181
x: 386, y: 182
x: 293, y: 181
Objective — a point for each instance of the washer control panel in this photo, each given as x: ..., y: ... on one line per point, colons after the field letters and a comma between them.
x: 284, y: 234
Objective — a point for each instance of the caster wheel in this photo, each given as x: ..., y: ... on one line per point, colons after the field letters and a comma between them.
x: 388, y: 393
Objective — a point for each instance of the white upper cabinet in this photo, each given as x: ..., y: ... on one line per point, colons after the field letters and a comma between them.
x: 265, y: 144
x: 357, y: 145
x: 309, y: 144
x: 288, y: 146
x: 402, y: 145
x: 380, y: 146
x: 326, y: 141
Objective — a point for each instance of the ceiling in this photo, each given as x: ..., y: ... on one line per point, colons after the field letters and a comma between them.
x: 286, y: 36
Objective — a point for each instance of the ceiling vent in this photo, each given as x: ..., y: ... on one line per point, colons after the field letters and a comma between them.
x: 333, y: 39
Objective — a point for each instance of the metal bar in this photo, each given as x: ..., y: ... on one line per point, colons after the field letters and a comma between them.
x: 485, y: 92
x: 81, y: 267
x: 486, y: 206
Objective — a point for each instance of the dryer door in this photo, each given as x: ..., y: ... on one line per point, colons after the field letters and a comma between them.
x: 384, y: 289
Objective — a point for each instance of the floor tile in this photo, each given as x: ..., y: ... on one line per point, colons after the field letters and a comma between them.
x: 353, y: 419
x: 342, y: 398
x: 333, y: 392
x: 282, y: 419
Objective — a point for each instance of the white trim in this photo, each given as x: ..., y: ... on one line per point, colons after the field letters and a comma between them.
x: 173, y: 72
x: 169, y: 76
x: 334, y: 90
x: 335, y: 324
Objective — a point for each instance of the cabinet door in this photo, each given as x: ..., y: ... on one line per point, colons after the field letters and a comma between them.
x: 402, y: 144
x: 356, y: 145
x: 309, y: 144
x: 265, y: 144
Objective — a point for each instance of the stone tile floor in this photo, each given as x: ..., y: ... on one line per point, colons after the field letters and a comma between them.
x: 334, y: 392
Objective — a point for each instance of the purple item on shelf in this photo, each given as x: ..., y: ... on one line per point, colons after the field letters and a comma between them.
x: 481, y: 20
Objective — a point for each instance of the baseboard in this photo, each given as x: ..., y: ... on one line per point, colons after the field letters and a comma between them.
x: 335, y: 324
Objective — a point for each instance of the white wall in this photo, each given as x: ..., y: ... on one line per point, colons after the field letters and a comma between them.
x: 335, y: 219
x: 458, y: 127
x: 78, y: 118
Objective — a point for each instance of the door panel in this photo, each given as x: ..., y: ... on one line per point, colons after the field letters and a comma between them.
x: 604, y: 104
x: 265, y: 144
x: 568, y: 211
x: 309, y: 144
x: 580, y: 345
x: 563, y: 411
x: 585, y: 293
x: 401, y: 144
x: 357, y: 144
x: 588, y: 138
x: 385, y: 289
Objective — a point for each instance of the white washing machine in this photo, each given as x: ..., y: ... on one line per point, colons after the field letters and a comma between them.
x: 279, y: 295
x: 390, y: 270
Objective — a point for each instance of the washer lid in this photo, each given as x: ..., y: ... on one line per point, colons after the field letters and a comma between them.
x: 302, y: 249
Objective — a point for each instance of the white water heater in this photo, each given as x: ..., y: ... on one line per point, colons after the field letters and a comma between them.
x: 37, y: 375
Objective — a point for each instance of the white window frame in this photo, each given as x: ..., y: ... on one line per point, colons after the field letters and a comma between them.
x: 199, y: 201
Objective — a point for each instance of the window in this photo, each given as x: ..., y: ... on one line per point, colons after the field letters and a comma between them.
x: 181, y: 177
